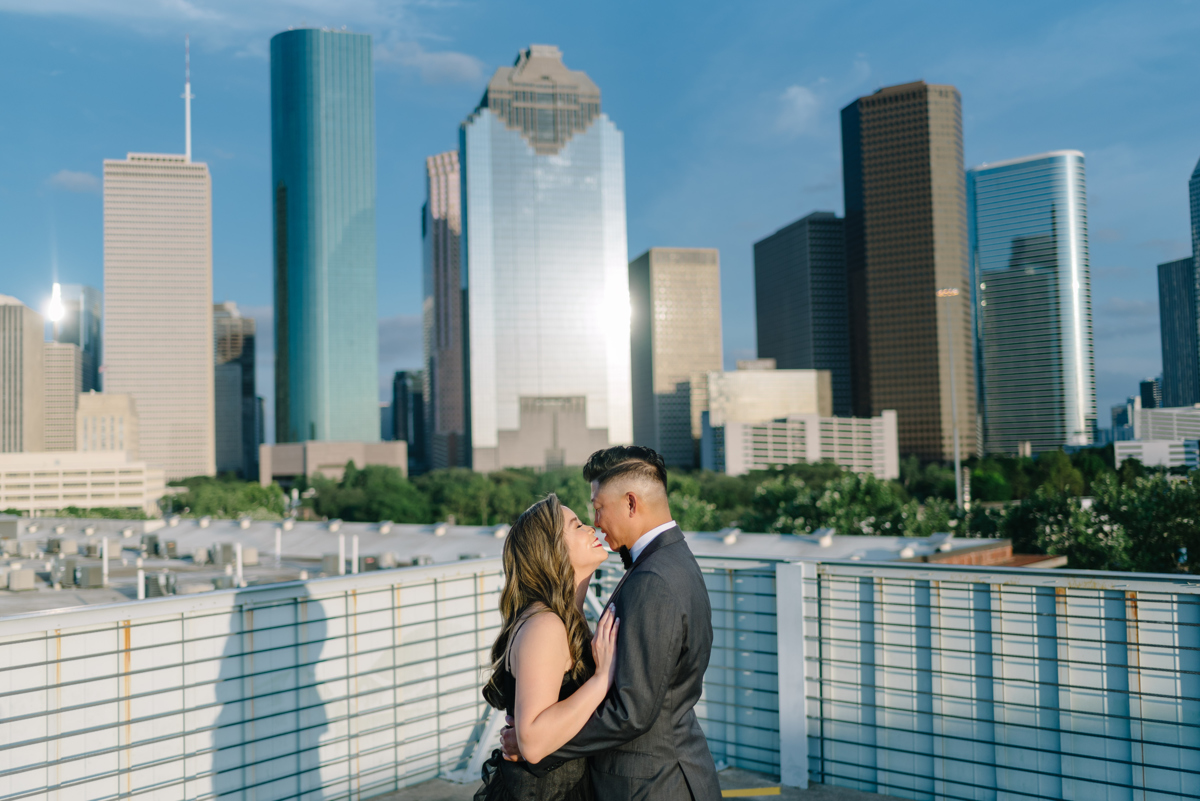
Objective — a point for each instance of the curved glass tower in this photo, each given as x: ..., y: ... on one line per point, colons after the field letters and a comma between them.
x: 546, y: 269
x: 1033, y: 302
x: 323, y: 182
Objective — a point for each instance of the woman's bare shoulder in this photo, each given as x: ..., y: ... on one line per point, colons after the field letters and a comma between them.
x: 542, y: 629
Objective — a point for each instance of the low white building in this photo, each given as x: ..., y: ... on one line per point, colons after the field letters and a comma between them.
x: 43, y: 482
x: 1175, y: 423
x: 863, y: 445
x: 760, y: 417
x: 1159, y: 452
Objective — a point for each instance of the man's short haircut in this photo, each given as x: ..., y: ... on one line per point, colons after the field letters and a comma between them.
x: 620, y: 461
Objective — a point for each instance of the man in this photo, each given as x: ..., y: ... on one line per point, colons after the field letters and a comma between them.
x: 644, y: 740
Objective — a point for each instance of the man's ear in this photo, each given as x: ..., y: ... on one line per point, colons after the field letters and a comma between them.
x: 632, y: 502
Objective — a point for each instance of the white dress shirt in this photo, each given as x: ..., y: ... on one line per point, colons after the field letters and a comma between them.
x: 648, y: 538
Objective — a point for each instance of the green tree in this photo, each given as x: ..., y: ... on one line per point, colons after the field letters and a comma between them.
x: 1054, y: 470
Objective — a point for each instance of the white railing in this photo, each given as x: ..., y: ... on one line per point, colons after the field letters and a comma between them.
x: 916, y: 681
x: 946, y: 682
x: 330, y: 688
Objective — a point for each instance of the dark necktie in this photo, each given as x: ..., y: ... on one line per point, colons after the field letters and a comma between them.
x: 626, y: 559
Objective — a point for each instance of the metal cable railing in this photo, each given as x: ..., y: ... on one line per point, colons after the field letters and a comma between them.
x: 916, y: 681
x: 969, y: 683
x: 334, y: 688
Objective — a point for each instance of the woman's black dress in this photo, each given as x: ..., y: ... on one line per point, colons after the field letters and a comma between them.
x: 515, y: 781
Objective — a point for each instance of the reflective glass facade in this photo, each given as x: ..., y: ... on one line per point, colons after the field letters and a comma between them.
x: 323, y: 180
x: 545, y: 270
x: 81, y: 325
x: 906, y: 238
x: 1177, y: 318
x: 1032, y: 293
x: 800, y: 300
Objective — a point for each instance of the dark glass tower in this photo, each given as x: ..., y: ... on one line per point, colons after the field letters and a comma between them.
x: 906, y: 239
x: 800, y: 300
x: 323, y: 181
x: 1177, y: 318
x: 81, y: 325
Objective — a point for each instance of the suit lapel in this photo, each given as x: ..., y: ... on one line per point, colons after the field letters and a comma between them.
x: 668, y: 537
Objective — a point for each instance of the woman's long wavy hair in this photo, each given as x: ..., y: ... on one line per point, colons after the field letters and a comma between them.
x: 537, y: 568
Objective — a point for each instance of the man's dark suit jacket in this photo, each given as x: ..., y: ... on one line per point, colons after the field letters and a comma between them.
x: 644, y: 740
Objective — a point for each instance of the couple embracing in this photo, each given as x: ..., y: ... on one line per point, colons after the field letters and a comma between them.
x: 605, y: 716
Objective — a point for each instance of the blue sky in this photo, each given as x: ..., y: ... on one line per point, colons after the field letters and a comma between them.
x: 730, y: 115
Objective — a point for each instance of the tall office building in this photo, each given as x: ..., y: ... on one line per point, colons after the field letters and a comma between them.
x: 323, y: 179
x: 409, y: 416
x: 1029, y: 252
x: 79, y: 323
x: 906, y: 238
x: 547, y: 270
x: 675, y: 333
x: 235, y: 394
x: 1180, y: 332
x: 64, y: 382
x: 22, y: 377
x: 800, y: 300
x: 1151, y: 392
x: 158, y: 305
x: 443, y: 385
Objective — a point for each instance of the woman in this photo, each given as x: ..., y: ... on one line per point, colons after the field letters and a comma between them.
x: 548, y: 671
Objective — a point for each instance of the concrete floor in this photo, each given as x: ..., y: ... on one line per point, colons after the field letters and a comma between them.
x: 731, y: 779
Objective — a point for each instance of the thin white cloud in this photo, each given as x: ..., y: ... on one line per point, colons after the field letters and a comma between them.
x: 246, y: 27
x: 71, y: 181
x: 435, y: 68
x: 800, y: 110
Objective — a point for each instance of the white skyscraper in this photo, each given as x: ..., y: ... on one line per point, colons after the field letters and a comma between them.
x: 158, y: 331
x: 546, y: 269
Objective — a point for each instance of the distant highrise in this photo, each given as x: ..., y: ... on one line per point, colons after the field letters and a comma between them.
x: 64, y: 382
x: 675, y: 333
x: 547, y: 270
x: 323, y: 190
x: 443, y: 386
x: 906, y: 238
x: 1180, y: 332
x: 409, y: 416
x: 235, y: 394
x: 800, y: 300
x: 1150, y: 391
x: 158, y: 305
x: 22, y: 377
x: 80, y: 324
x: 1029, y: 252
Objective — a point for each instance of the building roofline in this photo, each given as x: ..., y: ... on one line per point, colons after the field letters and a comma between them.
x: 1023, y: 159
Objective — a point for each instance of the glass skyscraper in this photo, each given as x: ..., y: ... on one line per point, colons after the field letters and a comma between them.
x: 800, y: 300
x: 1177, y: 321
x: 323, y: 185
x: 1032, y: 293
x: 906, y: 238
x: 545, y: 269
x: 81, y: 325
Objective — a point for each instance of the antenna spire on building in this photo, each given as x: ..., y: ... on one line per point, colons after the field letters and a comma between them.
x: 187, y: 97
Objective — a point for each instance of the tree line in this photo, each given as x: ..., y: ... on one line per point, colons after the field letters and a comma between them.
x: 1078, y: 505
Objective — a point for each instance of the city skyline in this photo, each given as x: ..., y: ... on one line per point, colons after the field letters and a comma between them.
x: 1116, y: 308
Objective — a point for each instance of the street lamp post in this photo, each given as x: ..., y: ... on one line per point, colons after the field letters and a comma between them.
x: 952, y: 292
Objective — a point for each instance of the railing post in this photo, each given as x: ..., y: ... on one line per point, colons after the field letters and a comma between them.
x: 792, y: 583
